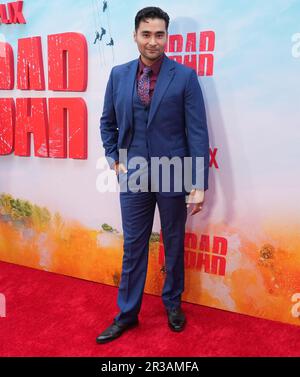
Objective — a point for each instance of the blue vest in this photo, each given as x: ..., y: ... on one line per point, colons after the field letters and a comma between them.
x: 139, y: 142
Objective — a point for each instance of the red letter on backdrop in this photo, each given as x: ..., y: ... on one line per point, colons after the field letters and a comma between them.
x: 75, y: 110
x: 67, y: 62
x: 206, y: 61
x: 190, y: 240
x: 204, y: 243
x: 31, y: 118
x: 190, y: 45
x: 30, y: 64
x: 15, y: 12
x: 220, y: 245
x: 6, y: 67
x: 7, y: 125
x: 3, y: 14
x: 190, y: 60
x: 175, y: 43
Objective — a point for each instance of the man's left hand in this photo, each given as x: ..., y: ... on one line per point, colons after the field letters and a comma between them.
x: 196, y: 197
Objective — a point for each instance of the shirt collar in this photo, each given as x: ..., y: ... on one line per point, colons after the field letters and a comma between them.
x: 155, y: 66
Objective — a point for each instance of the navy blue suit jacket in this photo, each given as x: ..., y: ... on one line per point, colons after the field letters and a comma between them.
x: 177, y: 123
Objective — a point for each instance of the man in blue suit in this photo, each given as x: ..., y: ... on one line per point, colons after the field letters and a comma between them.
x: 153, y: 108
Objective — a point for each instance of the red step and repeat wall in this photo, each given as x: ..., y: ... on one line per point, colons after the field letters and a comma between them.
x: 242, y: 251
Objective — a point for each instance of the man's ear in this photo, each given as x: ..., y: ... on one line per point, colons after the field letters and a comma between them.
x: 134, y: 36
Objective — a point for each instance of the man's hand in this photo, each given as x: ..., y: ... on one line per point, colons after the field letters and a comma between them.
x: 119, y: 167
x: 196, y: 197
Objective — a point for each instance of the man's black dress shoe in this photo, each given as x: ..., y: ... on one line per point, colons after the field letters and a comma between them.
x: 176, y: 319
x: 114, y: 331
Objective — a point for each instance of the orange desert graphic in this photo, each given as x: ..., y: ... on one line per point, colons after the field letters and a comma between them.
x: 260, y: 279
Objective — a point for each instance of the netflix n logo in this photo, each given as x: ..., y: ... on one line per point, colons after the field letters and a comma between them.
x: 12, y: 13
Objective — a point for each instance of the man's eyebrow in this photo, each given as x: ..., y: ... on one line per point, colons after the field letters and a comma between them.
x: 157, y: 32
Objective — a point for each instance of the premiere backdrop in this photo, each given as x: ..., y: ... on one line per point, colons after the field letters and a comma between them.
x: 243, y: 250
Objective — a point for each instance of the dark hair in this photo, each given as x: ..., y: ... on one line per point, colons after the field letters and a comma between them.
x: 151, y: 12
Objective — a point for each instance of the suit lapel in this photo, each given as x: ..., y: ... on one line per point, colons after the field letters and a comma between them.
x: 164, y: 78
x: 130, y: 79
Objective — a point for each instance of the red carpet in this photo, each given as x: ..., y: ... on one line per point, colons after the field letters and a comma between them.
x: 53, y: 315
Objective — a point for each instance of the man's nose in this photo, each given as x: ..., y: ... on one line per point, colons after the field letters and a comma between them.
x: 152, y: 41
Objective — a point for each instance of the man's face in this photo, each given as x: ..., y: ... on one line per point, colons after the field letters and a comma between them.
x: 151, y: 38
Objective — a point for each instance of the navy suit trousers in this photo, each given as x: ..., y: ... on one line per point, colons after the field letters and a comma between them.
x: 137, y: 209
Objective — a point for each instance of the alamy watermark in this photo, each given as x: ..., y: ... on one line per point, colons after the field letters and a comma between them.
x: 296, y: 307
x: 156, y: 174
x: 295, y: 45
